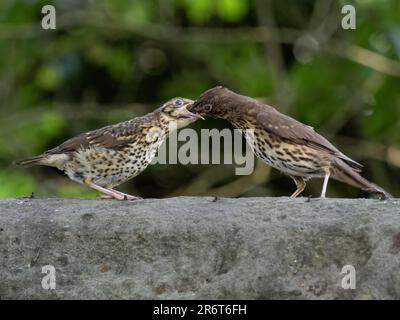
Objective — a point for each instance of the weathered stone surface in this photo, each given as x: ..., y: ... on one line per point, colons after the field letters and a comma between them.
x: 195, y: 248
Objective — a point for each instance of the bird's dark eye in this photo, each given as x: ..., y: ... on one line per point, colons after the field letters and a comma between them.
x: 178, y: 102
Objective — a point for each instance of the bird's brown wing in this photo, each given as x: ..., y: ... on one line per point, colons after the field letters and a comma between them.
x: 115, y: 137
x: 292, y: 130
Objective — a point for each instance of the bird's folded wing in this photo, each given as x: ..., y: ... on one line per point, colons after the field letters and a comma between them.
x: 115, y: 137
x: 292, y: 130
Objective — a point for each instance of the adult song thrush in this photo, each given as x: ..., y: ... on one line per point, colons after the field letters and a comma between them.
x: 283, y: 142
x: 103, y: 159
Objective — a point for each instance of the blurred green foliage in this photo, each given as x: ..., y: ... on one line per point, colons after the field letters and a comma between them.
x: 109, y: 61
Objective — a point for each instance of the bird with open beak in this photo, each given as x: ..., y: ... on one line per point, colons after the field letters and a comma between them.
x: 105, y: 158
x: 283, y: 142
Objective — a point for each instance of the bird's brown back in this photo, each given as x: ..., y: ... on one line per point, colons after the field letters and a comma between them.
x: 114, y: 137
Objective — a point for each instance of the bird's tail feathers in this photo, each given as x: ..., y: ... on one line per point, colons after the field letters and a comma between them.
x: 343, y: 172
x: 29, y: 161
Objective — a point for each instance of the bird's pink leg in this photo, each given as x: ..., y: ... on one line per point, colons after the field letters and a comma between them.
x: 325, y: 186
x: 113, y: 194
x: 300, y: 184
x: 125, y: 195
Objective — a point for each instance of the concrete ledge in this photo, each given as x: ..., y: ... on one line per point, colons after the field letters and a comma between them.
x: 200, y: 248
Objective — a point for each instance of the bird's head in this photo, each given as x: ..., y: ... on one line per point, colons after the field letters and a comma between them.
x: 176, y: 109
x: 214, y: 103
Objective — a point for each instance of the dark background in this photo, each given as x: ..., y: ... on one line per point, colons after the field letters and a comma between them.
x: 110, y: 61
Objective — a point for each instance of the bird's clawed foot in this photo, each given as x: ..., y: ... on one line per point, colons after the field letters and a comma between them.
x: 300, y: 184
x: 111, y: 193
x: 124, y: 196
x: 121, y: 197
x: 296, y: 193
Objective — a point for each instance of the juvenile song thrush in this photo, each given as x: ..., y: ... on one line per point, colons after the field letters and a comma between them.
x: 103, y: 159
x: 283, y: 142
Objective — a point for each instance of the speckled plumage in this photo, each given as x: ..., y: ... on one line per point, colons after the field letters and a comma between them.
x: 283, y: 142
x: 107, y: 157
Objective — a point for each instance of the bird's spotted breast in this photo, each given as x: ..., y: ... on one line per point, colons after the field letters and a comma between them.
x: 290, y: 158
x: 107, y: 167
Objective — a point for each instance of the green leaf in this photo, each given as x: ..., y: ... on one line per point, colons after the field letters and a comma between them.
x: 232, y: 10
x: 199, y: 11
x: 49, y: 77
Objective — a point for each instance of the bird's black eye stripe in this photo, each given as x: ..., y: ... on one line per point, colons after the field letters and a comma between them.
x: 178, y: 102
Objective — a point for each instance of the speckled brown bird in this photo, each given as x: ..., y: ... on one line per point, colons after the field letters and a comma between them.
x: 283, y: 142
x: 103, y: 159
